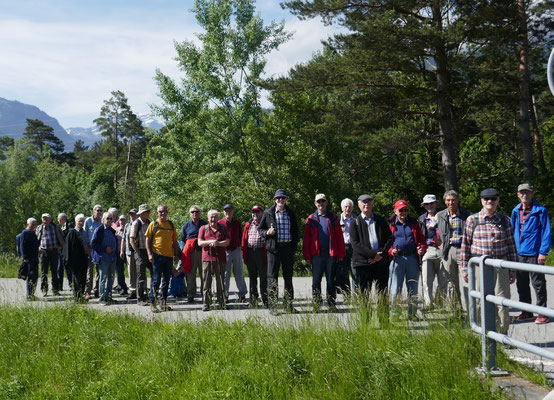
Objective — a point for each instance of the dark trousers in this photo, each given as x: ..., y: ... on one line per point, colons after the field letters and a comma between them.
x: 378, y: 273
x: 162, y: 272
x: 537, y: 280
x: 120, y: 271
x: 48, y: 261
x: 283, y: 256
x: 60, y: 273
x: 79, y: 280
x: 257, y: 267
x: 32, y: 277
x: 343, y: 268
x: 141, y: 260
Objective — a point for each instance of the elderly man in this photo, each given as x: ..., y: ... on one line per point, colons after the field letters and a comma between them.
x: 254, y: 256
x: 75, y: 253
x: 344, y: 267
x: 371, y: 239
x: 104, y: 253
x: 213, y: 240
x: 128, y: 253
x: 322, y: 246
x: 51, y: 244
x: 118, y: 226
x: 163, y: 250
x: 532, y: 235
x: 232, y: 252
x: 279, y: 228
x: 137, y: 239
x: 451, y: 225
x: 28, y: 245
x: 65, y: 226
x: 490, y: 233
x: 189, y: 235
x: 431, y: 265
x: 91, y: 224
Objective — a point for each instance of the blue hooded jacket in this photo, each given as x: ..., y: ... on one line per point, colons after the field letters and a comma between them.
x: 535, y: 237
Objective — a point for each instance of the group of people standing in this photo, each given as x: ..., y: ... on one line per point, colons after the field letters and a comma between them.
x: 368, y: 248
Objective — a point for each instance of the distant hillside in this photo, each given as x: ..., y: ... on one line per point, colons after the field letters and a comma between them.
x: 13, y: 121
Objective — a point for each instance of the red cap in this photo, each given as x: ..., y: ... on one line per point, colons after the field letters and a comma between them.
x: 257, y: 208
x: 400, y: 204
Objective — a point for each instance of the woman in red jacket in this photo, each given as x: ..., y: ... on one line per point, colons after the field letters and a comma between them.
x: 409, y: 244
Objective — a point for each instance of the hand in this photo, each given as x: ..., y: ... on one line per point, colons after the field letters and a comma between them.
x: 109, y: 250
x: 541, y: 259
x: 512, y: 277
x: 464, y: 275
x: 151, y: 258
x: 122, y: 255
x: 438, y: 241
x: 270, y: 231
x: 377, y: 258
x: 394, y: 252
x: 309, y: 262
x: 420, y: 251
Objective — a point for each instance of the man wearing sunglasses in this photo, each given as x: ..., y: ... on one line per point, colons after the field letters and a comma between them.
x: 490, y: 233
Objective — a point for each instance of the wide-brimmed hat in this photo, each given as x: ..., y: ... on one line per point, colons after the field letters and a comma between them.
x: 143, y: 208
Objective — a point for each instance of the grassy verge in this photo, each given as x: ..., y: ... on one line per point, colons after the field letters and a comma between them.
x: 73, y: 352
x: 9, y: 265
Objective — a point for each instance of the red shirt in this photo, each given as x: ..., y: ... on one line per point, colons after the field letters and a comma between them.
x: 234, y: 232
x: 210, y: 253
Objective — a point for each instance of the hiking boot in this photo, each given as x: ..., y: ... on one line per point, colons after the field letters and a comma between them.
x: 155, y: 309
x: 205, y: 307
x: 541, y: 319
x: 524, y: 316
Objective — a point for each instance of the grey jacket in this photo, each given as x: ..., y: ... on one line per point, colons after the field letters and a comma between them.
x: 445, y: 229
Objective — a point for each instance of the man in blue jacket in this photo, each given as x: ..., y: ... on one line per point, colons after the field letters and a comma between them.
x: 531, y: 225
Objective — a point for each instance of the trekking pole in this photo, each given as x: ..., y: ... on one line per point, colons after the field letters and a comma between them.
x: 393, y: 270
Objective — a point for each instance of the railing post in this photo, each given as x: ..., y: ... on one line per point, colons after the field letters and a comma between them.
x: 471, y: 300
x: 488, y: 314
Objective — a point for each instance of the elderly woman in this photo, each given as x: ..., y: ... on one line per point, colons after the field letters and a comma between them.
x: 75, y: 255
x: 104, y: 253
x: 408, y: 246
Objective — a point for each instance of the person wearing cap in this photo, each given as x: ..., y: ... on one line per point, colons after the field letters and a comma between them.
x: 371, y: 239
x: 531, y: 224
x: 344, y: 267
x: 104, y: 253
x: 28, y: 247
x: 408, y: 245
x: 163, y: 251
x: 189, y: 235
x: 127, y: 252
x: 51, y: 244
x: 255, y: 257
x: 137, y: 239
x: 279, y: 228
x: 451, y: 225
x: 322, y: 246
x: 232, y: 252
x: 91, y: 224
x: 75, y: 252
x: 490, y: 233
x: 65, y: 226
x: 431, y: 265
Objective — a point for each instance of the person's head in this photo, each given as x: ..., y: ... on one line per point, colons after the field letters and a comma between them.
x: 97, y: 212
x: 256, y: 214
x: 525, y: 193
x: 194, y: 212
x: 115, y: 212
x: 62, y: 218
x: 80, y: 221
x: 430, y: 203
x: 401, y: 210
x: 46, y: 219
x: 122, y: 220
x: 321, y: 203
x: 347, y: 206
x: 31, y: 223
x: 452, y: 200
x: 213, y: 217
x: 280, y: 199
x: 365, y: 204
x: 144, y: 212
x: 107, y: 219
x: 490, y: 198
x: 162, y: 212
x: 133, y: 214
x: 229, y: 211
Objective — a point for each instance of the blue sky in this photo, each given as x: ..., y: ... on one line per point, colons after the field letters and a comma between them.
x: 66, y: 56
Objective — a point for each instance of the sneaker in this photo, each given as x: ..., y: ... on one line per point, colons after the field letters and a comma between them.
x: 524, y: 316
x: 541, y: 319
x: 205, y: 307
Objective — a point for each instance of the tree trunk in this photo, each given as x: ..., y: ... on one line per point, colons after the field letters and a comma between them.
x: 128, y: 161
x: 524, y: 103
x: 444, y: 109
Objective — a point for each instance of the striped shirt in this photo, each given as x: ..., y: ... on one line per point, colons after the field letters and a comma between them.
x: 491, y: 237
x: 283, y: 226
x: 255, y: 240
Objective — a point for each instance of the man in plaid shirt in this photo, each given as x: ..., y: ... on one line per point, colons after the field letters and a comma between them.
x: 490, y: 233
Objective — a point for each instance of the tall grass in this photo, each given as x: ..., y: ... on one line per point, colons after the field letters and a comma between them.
x: 71, y: 352
x: 9, y: 265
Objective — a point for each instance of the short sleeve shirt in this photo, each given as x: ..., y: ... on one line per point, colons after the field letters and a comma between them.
x: 210, y: 253
x: 162, y: 242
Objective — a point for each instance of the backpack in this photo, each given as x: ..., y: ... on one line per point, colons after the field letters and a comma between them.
x: 156, y: 227
x: 504, y: 222
x: 18, y: 244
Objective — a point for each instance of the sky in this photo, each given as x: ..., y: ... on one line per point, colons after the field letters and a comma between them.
x: 67, y: 56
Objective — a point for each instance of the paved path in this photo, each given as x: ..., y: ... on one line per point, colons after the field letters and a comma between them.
x: 12, y: 291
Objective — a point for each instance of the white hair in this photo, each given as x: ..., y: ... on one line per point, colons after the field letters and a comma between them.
x: 347, y: 200
x: 213, y: 212
x: 106, y: 215
x: 62, y: 216
x: 195, y: 206
x: 79, y: 217
x: 114, y: 211
x: 31, y: 220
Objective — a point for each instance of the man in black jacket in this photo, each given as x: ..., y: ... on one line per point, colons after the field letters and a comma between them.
x: 279, y: 228
x: 371, y: 239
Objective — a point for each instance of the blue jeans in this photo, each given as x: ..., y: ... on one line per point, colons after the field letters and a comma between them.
x: 162, y: 272
x: 401, y: 266
x: 324, y: 264
x: 107, y: 270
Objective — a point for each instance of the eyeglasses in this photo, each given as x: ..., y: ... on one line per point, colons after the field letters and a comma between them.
x: 109, y: 219
x: 403, y: 210
x: 162, y: 211
x: 321, y: 201
x: 195, y: 212
x: 280, y: 198
x: 98, y: 210
x: 490, y: 198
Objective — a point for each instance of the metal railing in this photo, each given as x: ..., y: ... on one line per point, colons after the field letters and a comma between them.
x: 488, y: 303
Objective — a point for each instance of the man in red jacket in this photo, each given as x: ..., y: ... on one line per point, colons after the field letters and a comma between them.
x: 323, y: 245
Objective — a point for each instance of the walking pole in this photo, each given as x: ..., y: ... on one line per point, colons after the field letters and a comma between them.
x: 393, y: 271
